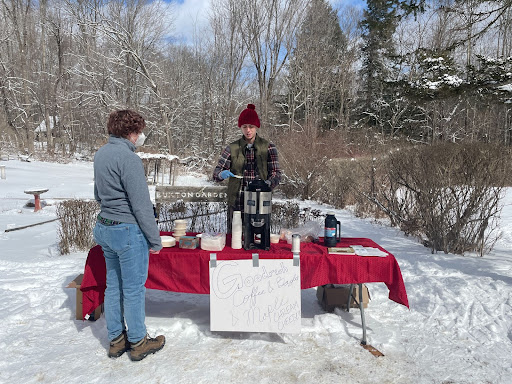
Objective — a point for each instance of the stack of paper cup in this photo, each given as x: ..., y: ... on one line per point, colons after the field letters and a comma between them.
x: 236, y: 230
x: 180, y: 229
x: 296, y: 243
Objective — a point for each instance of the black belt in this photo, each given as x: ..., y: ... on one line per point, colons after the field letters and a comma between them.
x: 108, y: 222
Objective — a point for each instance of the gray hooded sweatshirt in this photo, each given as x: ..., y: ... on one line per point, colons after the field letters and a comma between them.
x: 121, y: 189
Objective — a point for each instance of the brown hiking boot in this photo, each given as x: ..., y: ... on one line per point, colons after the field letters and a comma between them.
x: 146, y: 346
x: 119, y: 345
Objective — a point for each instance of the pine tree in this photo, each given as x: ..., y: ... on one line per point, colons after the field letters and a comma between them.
x: 379, y: 23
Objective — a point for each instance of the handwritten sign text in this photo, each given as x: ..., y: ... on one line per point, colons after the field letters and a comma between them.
x: 255, y: 299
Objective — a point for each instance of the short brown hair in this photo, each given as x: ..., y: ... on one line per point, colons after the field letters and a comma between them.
x: 122, y: 123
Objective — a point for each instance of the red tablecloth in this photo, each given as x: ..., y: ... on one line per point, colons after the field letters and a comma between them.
x: 185, y: 270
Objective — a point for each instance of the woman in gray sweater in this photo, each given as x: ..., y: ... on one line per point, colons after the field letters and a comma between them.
x: 127, y: 232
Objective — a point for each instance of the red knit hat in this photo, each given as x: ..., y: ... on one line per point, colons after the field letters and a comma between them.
x: 249, y: 116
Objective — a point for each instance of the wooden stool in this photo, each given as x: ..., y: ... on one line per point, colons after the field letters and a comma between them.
x: 36, y: 193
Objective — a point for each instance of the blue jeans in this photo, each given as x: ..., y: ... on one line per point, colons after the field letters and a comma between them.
x: 126, y: 252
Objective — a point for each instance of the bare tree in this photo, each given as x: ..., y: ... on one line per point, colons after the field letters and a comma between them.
x: 121, y: 47
x: 226, y: 56
x: 321, y: 66
x: 135, y: 28
x: 270, y: 27
x: 44, y: 75
x: 16, y: 58
x: 347, y: 80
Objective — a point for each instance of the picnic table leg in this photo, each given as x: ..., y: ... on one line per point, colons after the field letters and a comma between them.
x: 361, y: 308
x: 350, y: 290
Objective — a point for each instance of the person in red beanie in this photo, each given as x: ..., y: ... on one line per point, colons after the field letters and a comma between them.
x: 246, y: 159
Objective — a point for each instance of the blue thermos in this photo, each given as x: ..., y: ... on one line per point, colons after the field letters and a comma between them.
x: 332, y: 230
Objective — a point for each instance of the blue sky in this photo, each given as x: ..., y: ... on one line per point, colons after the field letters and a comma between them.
x: 190, y: 14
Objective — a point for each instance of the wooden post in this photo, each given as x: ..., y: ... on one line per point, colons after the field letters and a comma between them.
x: 2, y: 171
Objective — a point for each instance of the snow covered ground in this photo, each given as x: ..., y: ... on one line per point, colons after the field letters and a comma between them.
x: 458, y: 329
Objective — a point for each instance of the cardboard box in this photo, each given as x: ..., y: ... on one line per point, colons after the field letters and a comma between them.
x: 92, y: 316
x: 336, y: 296
x: 188, y: 242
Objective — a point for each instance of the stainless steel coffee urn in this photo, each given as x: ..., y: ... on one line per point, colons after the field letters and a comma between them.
x: 257, y: 211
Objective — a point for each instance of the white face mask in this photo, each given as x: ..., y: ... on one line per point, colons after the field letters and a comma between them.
x: 140, y: 140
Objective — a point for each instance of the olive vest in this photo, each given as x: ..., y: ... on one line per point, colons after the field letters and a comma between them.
x: 237, y: 149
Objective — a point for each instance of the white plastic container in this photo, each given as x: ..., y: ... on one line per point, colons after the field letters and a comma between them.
x: 213, y: 241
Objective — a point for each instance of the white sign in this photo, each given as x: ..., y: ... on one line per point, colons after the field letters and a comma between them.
x: 265, y: 298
